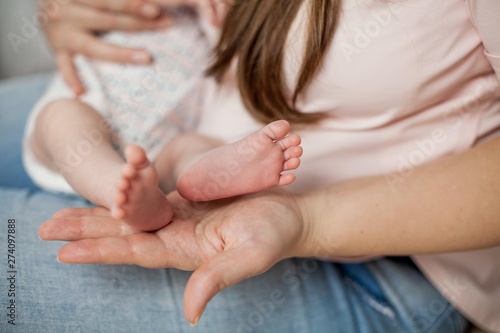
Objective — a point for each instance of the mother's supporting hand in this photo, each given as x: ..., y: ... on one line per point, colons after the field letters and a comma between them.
x: 224, y: 242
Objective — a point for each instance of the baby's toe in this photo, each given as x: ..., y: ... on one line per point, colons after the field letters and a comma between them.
x: 136, y: 156
x: 286, y: 179
x: 120, y: 198
x: 118, y: 213
x: 290, y: 141
x: 291, y: 164
x: 295, y: 151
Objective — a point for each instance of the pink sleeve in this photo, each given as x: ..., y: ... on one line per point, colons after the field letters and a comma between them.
x: 485, y: 15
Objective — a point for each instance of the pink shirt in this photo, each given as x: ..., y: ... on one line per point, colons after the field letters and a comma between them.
x: 404, y: 83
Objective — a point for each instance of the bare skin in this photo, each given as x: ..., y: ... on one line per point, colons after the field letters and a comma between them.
x: 138, y: 195
x: 250, y: 165
x: 71, y: 138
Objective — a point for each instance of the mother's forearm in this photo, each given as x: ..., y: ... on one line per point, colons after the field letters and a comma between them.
x: 448, y: 205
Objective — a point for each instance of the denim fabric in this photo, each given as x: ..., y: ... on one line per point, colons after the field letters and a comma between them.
x: 296, y: 295
x: 17, y: 97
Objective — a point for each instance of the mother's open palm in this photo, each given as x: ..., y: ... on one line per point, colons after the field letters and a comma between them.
x: 224, y: 242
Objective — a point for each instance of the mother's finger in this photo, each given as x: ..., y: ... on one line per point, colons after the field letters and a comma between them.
x: 223, y: 270
x: 99, y: 20
x: 78, y: 212
x: 85, y: 227
x: 143, y: 249
x: 68, y: 71
x: 135, y: 7
x: 93, y: 47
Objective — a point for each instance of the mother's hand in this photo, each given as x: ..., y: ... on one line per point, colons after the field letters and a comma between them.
x: 72, y: 24
x: 225, y: 242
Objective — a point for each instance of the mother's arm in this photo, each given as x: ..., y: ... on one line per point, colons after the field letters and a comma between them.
x: 449, y: 205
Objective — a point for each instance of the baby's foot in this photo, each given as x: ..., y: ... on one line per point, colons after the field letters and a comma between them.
x: 139, y: 202
x: 252, y: 164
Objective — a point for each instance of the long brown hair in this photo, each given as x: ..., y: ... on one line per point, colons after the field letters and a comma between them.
x: 255, y: 31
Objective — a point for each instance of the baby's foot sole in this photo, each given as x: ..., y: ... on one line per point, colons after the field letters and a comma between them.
x: 138, y: 200
x: 252, y: 164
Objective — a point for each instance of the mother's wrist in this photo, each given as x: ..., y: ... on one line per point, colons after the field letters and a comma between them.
x: 320, y: 223
x: 306, y: 243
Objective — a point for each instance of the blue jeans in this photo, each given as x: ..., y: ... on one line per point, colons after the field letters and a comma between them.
x: 17, y: 97
x: 296, y: 295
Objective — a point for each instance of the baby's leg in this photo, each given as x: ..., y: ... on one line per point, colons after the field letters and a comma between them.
x: 250, y: 165
x: 73, y: 139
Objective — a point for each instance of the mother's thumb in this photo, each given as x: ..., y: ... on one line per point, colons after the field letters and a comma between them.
x: 225, y: 269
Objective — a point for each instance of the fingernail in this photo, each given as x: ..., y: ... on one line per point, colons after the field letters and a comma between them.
x: 148, y: 10
x: 193, y: 324
x: 141, y: 57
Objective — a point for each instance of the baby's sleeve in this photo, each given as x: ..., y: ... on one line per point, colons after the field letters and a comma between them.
x: 485, y: 15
